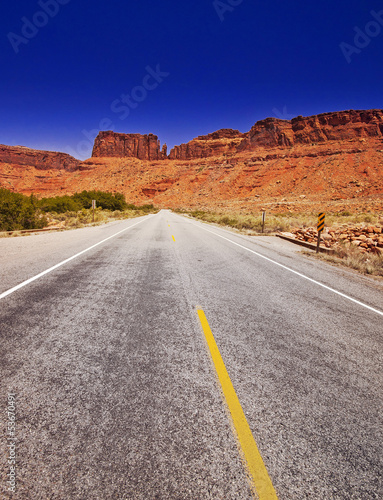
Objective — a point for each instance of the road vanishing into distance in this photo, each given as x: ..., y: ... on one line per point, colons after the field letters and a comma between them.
x: 164, y: 358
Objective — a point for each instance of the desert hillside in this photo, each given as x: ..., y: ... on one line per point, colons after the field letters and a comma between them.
x: 332, y: 161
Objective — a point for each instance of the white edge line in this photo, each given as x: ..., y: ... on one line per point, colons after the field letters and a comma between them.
x: 292, y: 270
x: 40, y: 275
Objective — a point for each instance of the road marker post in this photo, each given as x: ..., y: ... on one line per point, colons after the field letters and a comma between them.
x: 93, y: 206
x: 320, y: 227
x: 263, y: 220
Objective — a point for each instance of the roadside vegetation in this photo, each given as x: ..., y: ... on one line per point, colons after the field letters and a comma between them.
x: 365, y: 263
x: 19, y: 212
x: 346, y: 255
x: 283, y: 222
x: 249, y: 223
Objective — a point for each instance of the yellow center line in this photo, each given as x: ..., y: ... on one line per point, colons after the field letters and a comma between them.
x: 260, y: 479
x: 173, y: 238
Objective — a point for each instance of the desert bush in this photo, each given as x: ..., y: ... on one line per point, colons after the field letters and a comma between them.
x: 78, y: 201
x: 18, y: 211
x: 59, y: 204
x: 146, y: 208
x: 104, y: 200
x: 22, y: 212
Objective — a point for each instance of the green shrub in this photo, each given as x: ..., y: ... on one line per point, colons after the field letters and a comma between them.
x: 18, y: 211
x: 105, y: 200
x: 59, y: 204
x: 145, y: 208
x: 22, y: 212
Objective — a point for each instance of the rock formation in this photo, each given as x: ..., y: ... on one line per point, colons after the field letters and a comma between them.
x: 273, y: 132
x: 338, y: 126
x: 367, y: 237
x: 268, y: 133
x: 204, y: 146
x: 112, y: 144
x: 332, y: 161
x: 42, y: 160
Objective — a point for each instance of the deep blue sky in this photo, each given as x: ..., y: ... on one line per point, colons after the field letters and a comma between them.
x: 256, y: 60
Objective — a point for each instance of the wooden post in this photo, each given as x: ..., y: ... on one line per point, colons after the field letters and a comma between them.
x: 318, y: 243
x: 263, y: 220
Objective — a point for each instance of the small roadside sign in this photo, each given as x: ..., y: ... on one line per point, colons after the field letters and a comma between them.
x: 321, y: 221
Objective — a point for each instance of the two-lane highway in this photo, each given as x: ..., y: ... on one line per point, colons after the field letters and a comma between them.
x: 117, y: 384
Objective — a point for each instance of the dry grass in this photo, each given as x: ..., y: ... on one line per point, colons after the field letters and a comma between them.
x: 352, y: 257
x: 12, y: 235
x: 85, y: 217
x: 281, y: 222
x: 252, y: 223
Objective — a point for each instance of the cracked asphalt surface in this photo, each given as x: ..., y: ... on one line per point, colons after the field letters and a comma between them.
x: 116, y: 394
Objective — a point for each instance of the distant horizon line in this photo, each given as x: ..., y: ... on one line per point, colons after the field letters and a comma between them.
x: 274, y: 118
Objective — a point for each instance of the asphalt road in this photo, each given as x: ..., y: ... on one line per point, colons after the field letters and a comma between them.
x: 116, y: 392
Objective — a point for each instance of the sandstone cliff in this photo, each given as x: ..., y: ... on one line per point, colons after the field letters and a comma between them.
x: 266, y: 134
x: 204, y: 146
x: 42, y: 160
x: 339, y: 126
x: 144, y: 147
x: 326, y: 127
